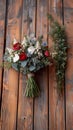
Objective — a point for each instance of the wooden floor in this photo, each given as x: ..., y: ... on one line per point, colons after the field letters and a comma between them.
x: 47, y: 112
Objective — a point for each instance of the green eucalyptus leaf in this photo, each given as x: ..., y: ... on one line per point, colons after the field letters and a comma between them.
x: 32, y: 68
x: 15, y: 66
x: 24, y: 63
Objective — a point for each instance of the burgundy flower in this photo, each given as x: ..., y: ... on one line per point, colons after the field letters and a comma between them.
x: 22, y: 56
x: 17, y: 46
x: 46, y: 53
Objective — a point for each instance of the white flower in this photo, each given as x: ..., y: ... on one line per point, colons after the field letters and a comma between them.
x: 53, y: 54
x: 16, y: 58
x: 34, y: 39
x: 40, y: 54
x: 24, y: 42
x: 9, y: 50
x: 38, y: 46
x: 31, y: 50
x: 32, y: 35
x: 15, y: 41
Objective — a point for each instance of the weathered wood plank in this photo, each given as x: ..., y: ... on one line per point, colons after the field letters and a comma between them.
x: 25, y: 107
x: 10, y: 81
x: 2, y: 31
x: 41, y: 102
x: 12, y: 99
x: 68, y: 18
x: 56, y: 105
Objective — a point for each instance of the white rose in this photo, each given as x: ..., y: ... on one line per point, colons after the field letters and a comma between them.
x: 31, y: 50
x: 16, y: 58
x: 15, y: 41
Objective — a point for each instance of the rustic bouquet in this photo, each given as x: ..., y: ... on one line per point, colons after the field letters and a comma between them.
x: 28, y: 57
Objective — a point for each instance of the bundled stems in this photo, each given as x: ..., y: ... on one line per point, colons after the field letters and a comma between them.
x: 32, y: 89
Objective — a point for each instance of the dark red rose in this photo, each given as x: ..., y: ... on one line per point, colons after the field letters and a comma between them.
x: 46, y: 53
x: 16, y: 46
x: 23, y: 56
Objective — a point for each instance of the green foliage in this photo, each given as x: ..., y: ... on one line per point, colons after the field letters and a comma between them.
x: 59, y: 38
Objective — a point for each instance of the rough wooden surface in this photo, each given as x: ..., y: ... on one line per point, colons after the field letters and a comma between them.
x: 46, y: 112
x: 10, y: 79
x: 68, y: 11
x: 41, y: 103
x: 2, y: 33
x: 56, y: 105
x: 25, y: 106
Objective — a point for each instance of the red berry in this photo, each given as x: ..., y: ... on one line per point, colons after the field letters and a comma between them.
x: 46, y: 53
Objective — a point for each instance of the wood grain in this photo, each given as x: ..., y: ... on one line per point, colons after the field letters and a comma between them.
x: 46, y: 112
x: 41, y: 102
x: 10, y: 80
x: 56, y: 104
x: 25, y: 107
x: 2, y: 32
x: 68, y: 11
